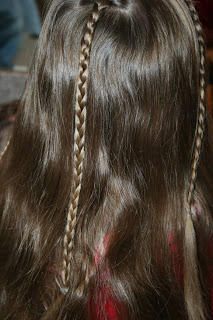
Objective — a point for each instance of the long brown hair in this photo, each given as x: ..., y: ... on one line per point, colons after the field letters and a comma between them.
x: 111, y: 142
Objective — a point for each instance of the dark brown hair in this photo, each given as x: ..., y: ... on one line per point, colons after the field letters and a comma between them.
x: 107, y: 145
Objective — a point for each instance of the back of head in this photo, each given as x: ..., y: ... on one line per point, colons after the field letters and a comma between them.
x: 99, y: 176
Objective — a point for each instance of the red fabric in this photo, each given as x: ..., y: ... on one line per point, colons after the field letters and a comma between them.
x: 104, y: 298
x: 111, y: 310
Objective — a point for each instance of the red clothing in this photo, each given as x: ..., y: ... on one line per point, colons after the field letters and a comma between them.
x: 111, y: 310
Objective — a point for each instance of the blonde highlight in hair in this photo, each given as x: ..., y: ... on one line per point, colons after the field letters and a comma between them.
x: 5, y: 149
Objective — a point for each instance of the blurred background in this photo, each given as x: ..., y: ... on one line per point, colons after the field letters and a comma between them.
x: 20, y: 26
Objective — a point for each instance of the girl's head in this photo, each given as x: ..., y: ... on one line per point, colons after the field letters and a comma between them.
x: 107, y: 143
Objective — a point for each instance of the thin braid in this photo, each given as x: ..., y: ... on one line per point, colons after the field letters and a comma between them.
x: 79, y: 141
x: 202, y: 109
x: 192, y: 286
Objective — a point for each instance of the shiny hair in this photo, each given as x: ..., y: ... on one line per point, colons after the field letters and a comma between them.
x: 107, y: 182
